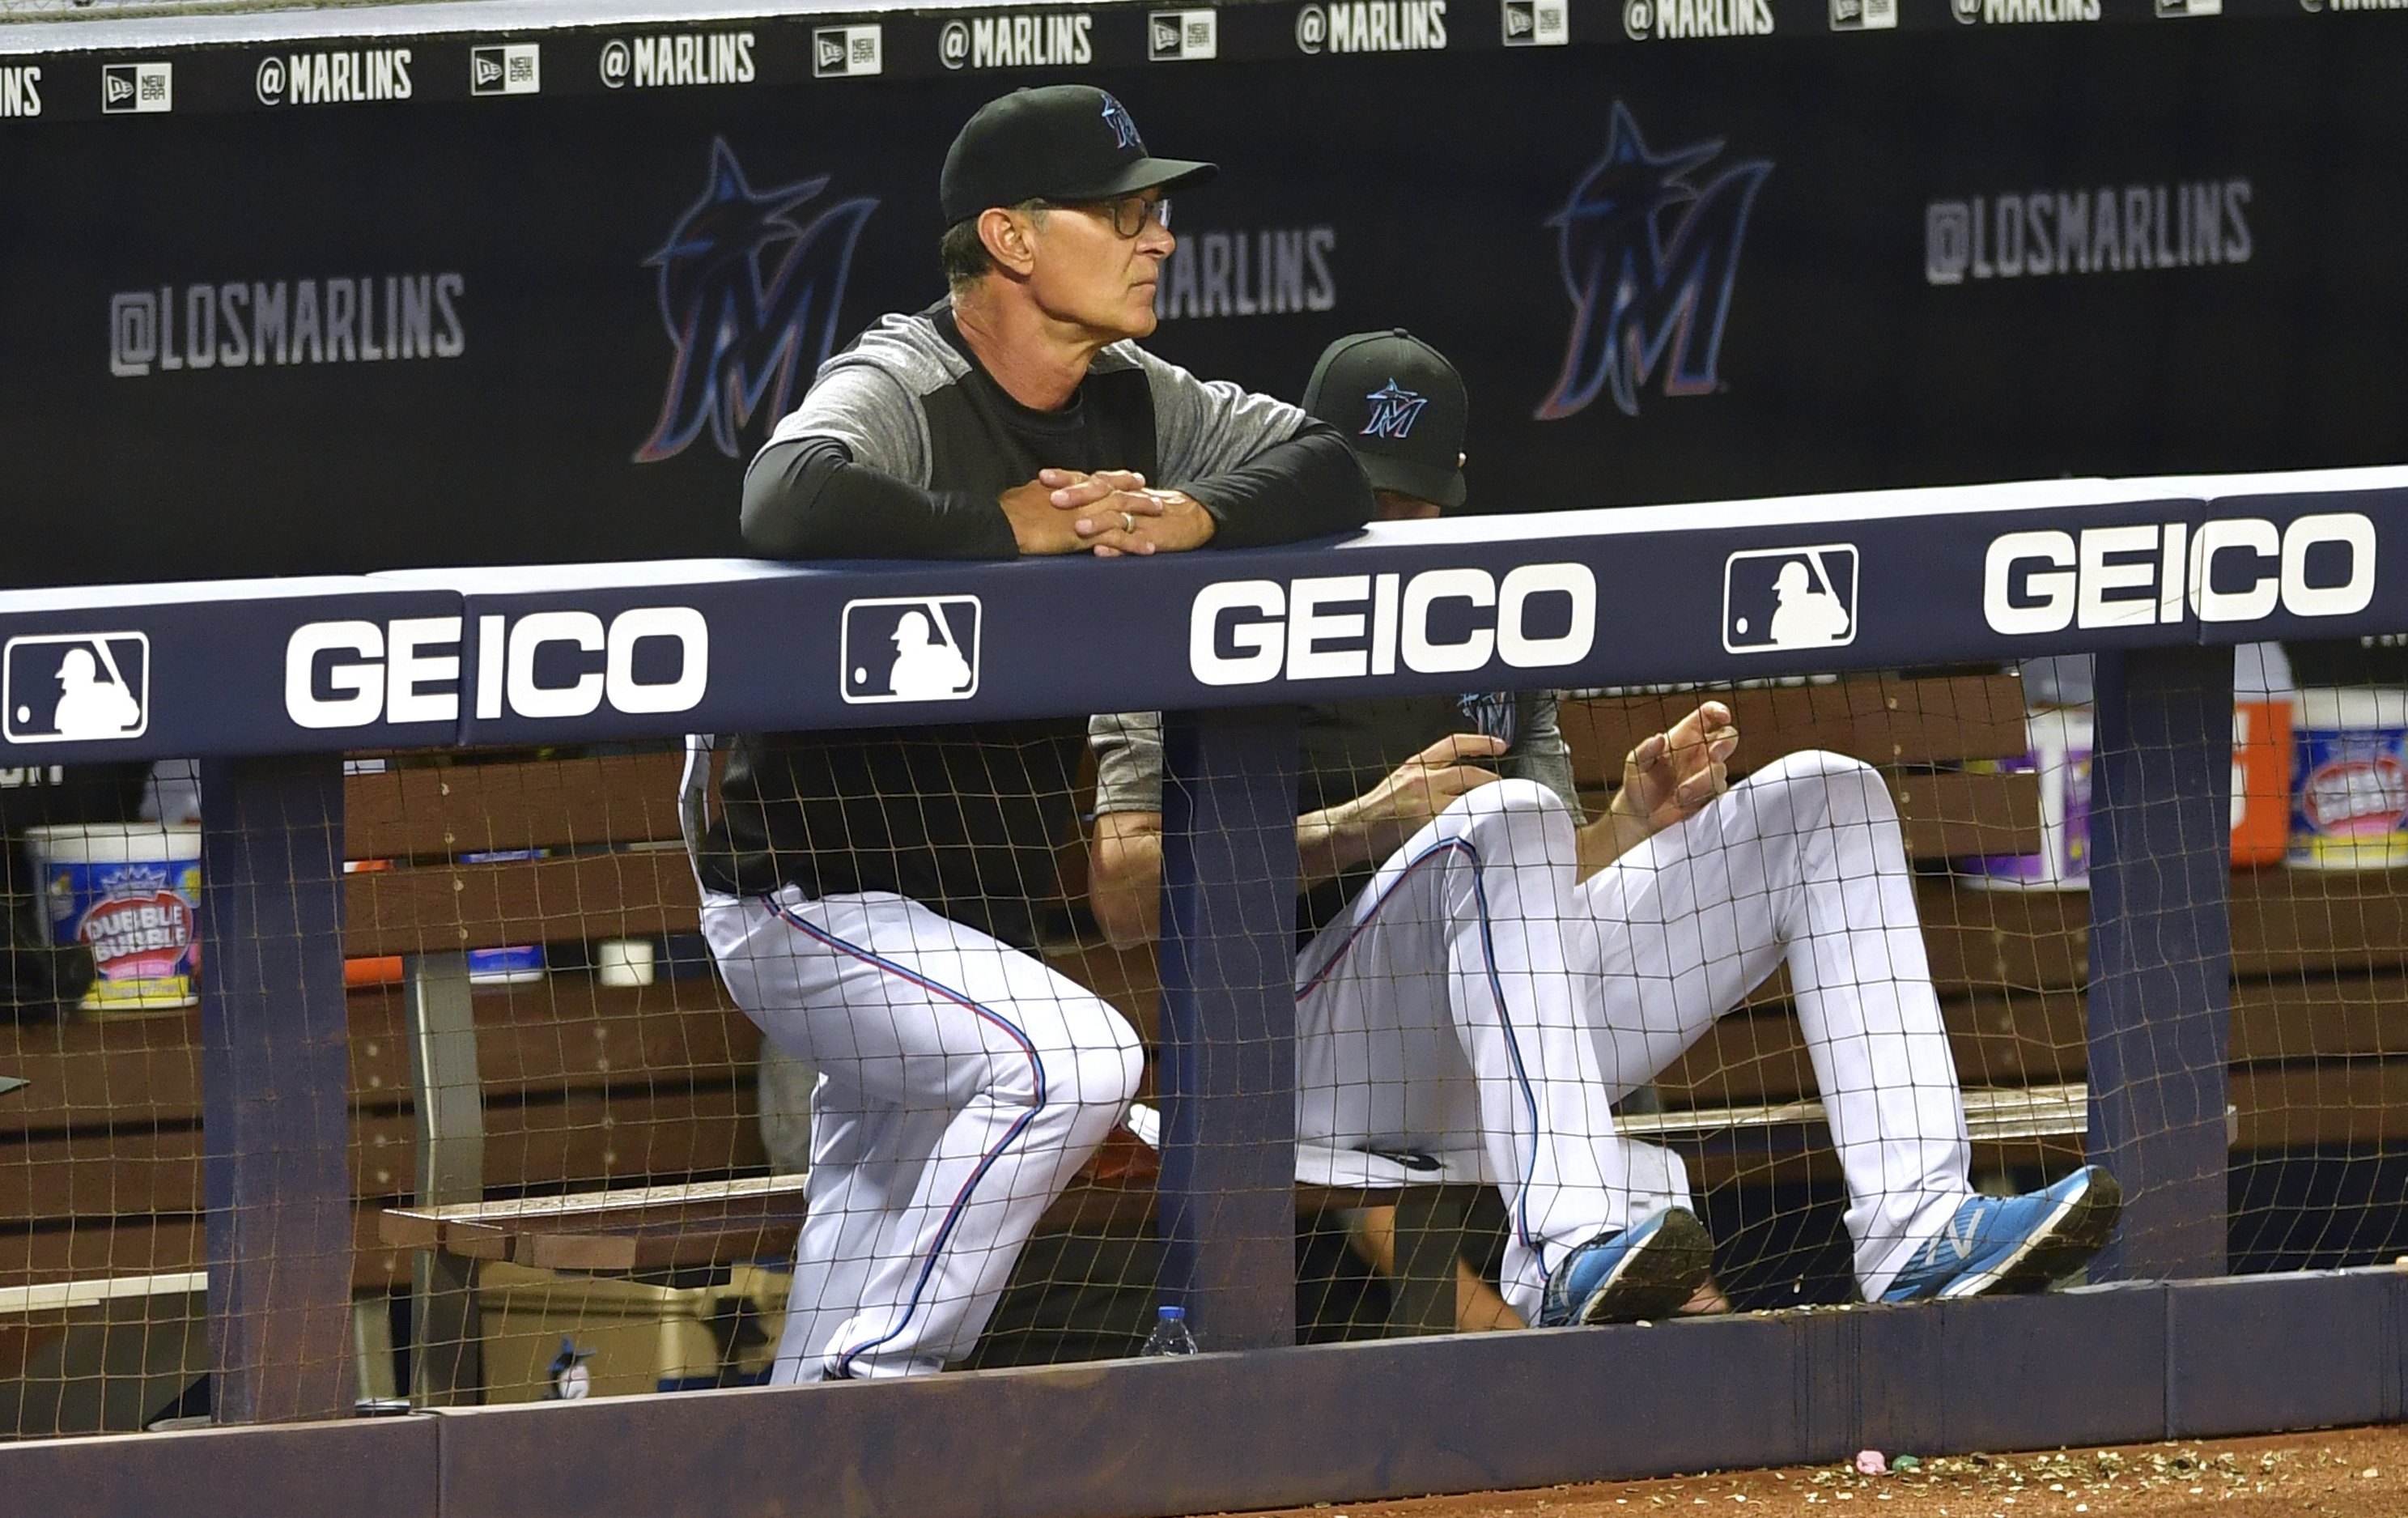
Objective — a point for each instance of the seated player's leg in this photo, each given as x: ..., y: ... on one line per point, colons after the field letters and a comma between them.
x: 966, y: 1083
x: 1451, y: 965
x: 1801, y: 863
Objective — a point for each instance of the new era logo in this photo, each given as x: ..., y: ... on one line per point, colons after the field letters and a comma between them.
x: 1537, y: 23
x: 1183, y: 35
x: 513, y: 69
x: 912, y: 648
x: 841, y: 51
x: 1787, y: 598
x: 137, y: 88
x: 75, y: 687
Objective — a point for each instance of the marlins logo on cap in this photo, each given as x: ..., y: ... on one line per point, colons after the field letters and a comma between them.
x: 1401, y: 406
x: 1123, y: 126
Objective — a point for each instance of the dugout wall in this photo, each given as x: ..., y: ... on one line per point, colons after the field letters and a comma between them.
x: 2168, y: 1352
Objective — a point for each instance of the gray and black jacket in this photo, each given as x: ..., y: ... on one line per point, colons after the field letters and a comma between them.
x: 901, y: 450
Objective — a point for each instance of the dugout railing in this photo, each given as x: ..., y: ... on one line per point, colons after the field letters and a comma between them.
x: 273, y: 681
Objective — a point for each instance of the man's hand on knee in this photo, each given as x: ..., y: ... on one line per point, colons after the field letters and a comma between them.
x: 1374, y: 824
x: 1671, y: 774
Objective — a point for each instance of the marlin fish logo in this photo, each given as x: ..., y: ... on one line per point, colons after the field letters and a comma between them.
x: 1123, y: 126
x: 1394, y: 411
x: 741, y: 331
x: 1648, y: 260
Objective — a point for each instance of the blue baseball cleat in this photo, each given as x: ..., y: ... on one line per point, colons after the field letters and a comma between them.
x: 2013, y: 1244
x: 1647, y: 1270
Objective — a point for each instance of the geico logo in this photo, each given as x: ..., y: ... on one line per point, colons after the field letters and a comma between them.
x: 1245, y: 632
x: 2232, y: 569
x: 349, y: 674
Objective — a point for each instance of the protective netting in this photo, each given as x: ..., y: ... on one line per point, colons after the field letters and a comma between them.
x: 577, y: 1166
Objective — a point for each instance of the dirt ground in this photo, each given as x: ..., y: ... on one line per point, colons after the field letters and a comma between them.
x: 2335, y: 1473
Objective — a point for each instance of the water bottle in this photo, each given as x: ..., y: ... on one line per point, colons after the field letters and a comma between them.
x: 1172, y: 1335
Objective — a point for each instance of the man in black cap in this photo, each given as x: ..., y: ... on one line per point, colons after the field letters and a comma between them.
x: 868, y: 895
x: 1484, y: 975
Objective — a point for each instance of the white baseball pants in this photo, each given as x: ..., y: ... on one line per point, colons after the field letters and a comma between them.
x: 1479, y: 997
x: 962, y: 1084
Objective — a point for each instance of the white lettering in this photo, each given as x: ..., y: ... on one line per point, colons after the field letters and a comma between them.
x: 1308, y: 625
x: 406, y: 669
x: 2352, y: 595
x: 577, y: 697
x: 20, y: 90
x: 2232, y: 569
x: 2250, y: 535
x: 2094, y: 606
x: 1269, y: 629
x: 1259, y: 644
x: 384, y: 669
x: 1515, y: 645
x: 2054, y: 611
x: 1426, y: 657
x: 359, y: 697
x: 682, y: 625
x: 1387, y: 25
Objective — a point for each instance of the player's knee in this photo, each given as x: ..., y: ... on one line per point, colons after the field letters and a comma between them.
x: 1108, y: 1072
x: 1829, y: 787
x: 1514, y: 820
x: 1507, y: 803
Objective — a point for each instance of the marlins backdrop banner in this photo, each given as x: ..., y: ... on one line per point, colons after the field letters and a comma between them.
x: 1680, y: 250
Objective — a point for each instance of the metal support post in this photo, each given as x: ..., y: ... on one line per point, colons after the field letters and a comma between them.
x: 1227, y: 1073
x: 275, y: 1082
x: 2161, y: 955
x: 448, y: 1095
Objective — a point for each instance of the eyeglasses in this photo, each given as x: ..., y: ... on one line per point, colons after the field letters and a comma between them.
x: 1129, y: 213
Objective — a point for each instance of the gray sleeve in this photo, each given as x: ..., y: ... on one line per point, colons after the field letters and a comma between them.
x: 1128, y: 761
x: 1209, y: 426
x: 1540, y: 752
x: 870, y: 412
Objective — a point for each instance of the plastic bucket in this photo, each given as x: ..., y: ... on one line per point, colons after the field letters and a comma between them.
x: 2349, y: 795
x: 520, y: 964
x: 2060, y: 741
x: 132, y: 892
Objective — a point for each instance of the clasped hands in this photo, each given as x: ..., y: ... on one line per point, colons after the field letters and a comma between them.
x: 1109, y: 513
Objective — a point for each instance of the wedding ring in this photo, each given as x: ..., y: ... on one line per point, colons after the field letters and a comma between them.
x: 1129, y: 523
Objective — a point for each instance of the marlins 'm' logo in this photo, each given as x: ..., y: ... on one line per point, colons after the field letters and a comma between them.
x: 1648, y: 260
x: 741, y: 330
x: 1123, y: 126
x: 1394, y: 411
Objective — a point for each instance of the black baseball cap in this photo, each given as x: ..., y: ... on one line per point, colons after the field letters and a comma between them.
x: 1061, y: 142
x: 1402, y: 408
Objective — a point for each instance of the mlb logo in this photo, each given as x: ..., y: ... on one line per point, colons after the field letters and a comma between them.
x: 75, y: 687
x: 1784, y: 599
x: 128, y: 88
x: 1537, y: 23
x: 841, y: 51
x: 910, y: 648
x: 516, y: 69
x: 1183, y: 35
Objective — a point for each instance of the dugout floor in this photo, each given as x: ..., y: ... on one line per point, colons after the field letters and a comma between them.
x: 2343, y: 1474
